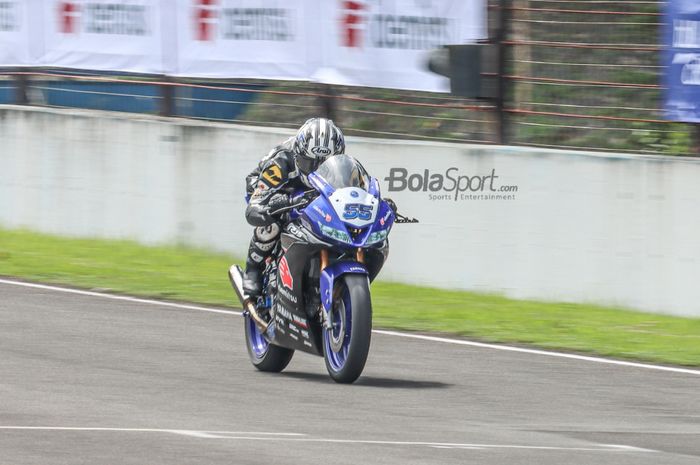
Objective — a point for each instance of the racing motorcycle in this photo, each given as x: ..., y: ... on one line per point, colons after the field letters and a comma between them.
x: 316, y: 284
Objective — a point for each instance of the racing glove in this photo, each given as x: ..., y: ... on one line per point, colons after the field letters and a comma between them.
x: 278, y: 201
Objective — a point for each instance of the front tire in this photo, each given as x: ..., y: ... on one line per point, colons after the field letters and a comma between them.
x: 263, y: 355
x: 346, y: 345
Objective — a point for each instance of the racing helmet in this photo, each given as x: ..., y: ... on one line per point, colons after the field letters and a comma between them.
x: 317, y: 139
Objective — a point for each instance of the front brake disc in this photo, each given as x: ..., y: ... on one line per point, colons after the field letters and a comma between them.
x: 339, y: 313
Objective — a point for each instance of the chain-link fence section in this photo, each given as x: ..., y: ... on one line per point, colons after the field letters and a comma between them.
x: 586, y: 74
x: 360, y: 111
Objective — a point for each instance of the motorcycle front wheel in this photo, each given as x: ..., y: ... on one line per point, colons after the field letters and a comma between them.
x: 263, y: 355
x: 346, y: 343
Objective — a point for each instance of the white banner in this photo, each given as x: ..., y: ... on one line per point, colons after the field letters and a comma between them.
x: 376, y: 43
x: 385, y: 43
x: 245, y: 38
x: 124, y: 35
x: 14, y: 34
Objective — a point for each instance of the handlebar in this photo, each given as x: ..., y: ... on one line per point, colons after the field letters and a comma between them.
x: 309, y: 195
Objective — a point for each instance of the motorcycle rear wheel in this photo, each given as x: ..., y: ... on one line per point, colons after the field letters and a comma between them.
x: 346, y: 345
x: 263, y: 355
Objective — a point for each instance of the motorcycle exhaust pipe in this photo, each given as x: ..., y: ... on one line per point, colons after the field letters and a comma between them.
x: 250, y: 308
x: 235, y: 275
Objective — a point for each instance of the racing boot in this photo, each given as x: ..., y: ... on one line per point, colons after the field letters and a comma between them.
x: 252, y: 280
x: 264, y: 240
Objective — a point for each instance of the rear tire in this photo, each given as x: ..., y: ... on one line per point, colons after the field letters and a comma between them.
x: 346, y: 354
x: 263, y: 355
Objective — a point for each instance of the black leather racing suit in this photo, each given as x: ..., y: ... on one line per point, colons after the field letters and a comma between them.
x: 276, y: 173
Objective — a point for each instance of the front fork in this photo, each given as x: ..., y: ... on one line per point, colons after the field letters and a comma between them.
x: 329, y: 273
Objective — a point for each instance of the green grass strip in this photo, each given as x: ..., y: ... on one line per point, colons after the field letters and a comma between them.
x: 188, y: 274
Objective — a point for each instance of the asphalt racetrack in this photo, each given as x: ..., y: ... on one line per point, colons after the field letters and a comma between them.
x: 86, y: 379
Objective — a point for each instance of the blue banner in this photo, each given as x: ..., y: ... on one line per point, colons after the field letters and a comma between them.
x: 682, y: 59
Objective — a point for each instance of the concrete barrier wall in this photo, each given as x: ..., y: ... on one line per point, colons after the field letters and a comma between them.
x: 581, y: 227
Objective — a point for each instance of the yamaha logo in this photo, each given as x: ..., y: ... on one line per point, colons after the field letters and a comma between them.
x: 321, y: 151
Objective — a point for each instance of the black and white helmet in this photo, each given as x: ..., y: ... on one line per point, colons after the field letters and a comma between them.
x: 317, y: 139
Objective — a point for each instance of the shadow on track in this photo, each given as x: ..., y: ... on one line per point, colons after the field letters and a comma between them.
x: 369, y: 381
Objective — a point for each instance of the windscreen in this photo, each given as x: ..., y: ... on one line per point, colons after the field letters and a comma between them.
x: 343, y: 171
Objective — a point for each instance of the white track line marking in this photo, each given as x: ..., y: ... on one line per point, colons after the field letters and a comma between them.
x: 297, y: 437
x: 447, y: 445
x: 120, y: 297
x: 539, y: 352
x: 185, y: 432
x: 444, y: 340
x: 450, y: 447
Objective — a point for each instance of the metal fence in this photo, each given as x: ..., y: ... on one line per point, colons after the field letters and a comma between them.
x: 586, y: 74
x: 574, y: 74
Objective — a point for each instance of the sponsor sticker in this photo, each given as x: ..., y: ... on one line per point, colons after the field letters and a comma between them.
x: 361, y: 27
x: 8, y: 16
x: 299, y: 321
x: 288, y: 295
x: 284, y: 313
x: 285, y: 274
x: 113, y: 18
x: 226, y: 19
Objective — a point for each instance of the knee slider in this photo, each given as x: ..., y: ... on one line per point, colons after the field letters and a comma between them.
x: 266, y: 236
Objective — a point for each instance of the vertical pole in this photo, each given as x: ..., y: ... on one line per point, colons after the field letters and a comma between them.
x: 327, y: 102
x: 695, y: 139
x: 167, y: 101
x: 501, y: 36
x: 521, y: 56
x: 21, y: 88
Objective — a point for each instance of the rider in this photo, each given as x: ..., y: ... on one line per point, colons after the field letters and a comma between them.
x: 285, y: 168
